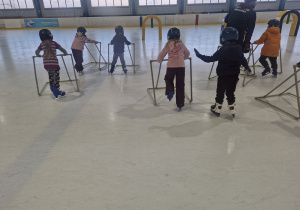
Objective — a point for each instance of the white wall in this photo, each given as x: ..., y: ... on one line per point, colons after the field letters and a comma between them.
x: 186, y: 19
x: 140, y: 10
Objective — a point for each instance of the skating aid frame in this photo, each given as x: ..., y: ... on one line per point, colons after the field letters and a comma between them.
x: 158, y: 88
x: 39, y: 92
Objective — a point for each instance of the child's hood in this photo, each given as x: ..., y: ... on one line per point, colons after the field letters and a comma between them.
x: 274, y: 30
x: 175, y: 46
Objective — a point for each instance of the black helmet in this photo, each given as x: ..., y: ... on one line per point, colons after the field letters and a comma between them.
x: 45, y: 34
x: 228, y: 34
x: 119, y: 30
x: 274, y: 23
x: 173, y: 33
x: 81, y: 29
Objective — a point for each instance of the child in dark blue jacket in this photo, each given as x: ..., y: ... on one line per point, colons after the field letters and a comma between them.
x: 230, y: 57
x: 118, y: 42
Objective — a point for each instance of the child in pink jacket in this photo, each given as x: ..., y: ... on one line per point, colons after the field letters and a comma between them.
x: 177, y: 53
x: 78, y: 46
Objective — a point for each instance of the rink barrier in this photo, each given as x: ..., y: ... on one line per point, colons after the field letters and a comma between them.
x: 100, y: 56
x: 39, y: 92
x: 135, y: 67
x: 264, y: 98
x: 190, y: 99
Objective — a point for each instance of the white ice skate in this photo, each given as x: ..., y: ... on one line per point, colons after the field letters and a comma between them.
x: 216, y: 109
x: 232, y: 109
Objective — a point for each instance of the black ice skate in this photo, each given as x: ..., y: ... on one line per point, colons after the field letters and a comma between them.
x: 112, y: 69
x: 216, y: 109
x: 266, y: 71
x: 274, y: 72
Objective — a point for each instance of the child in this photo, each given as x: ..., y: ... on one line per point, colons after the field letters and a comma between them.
x: 177, y: 53
x: 271, y: 39
x: 118, y: 42
x: 78, y: 46
x: 50, y: 60
x: 230, y: 57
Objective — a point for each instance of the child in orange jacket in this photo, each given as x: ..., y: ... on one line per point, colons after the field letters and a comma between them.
x: 271, y: 39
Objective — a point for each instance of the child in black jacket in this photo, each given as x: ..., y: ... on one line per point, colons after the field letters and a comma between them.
x: 230, y: 57
x: 118, y: 42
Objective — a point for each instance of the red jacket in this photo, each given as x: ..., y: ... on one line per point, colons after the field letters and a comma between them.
x: 271, y: 39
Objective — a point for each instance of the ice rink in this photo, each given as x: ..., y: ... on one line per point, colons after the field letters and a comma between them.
x: 108, y: 147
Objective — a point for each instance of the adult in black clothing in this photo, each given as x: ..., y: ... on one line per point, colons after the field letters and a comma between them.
x: 243, y: 18
x: 230, y: 57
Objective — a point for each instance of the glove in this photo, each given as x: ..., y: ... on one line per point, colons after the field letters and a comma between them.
x: 197, y: 53
x: 246, y: 48
x: 248, y: 70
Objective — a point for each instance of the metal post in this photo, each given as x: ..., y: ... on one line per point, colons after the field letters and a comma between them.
x: 37, y: 84
x: 153, y: 83
x: 191, y: 78
x: 65, y: 67
x: 108, y: 59
x: 297, y: 90
x: 75, y: 73
x: 133, y: 57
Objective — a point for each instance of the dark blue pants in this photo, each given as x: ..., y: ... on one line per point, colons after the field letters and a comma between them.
x: 78, y: 57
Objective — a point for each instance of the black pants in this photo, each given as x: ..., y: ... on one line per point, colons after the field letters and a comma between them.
x: 54, y: 77
x: 78, y: 57
x: 169, y: 79
x: 264, y: 62
x: 226, y: 84
x: 241, y: 38
x: 115, y: 59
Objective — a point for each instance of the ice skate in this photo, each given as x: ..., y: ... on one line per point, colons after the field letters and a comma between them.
x: 274, y: 72
x: 170, y: 96
x: 216, y: 109
x: 266, y: 71
x: 61, y: 93
x: 232, y: 110
x: 112, y: 69
x: 248, y: 71
x: 125, y: 71
x: 55, y: 91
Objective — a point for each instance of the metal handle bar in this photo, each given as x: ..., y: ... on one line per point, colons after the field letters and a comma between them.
x: 151, y: 61
x: 56, y: 55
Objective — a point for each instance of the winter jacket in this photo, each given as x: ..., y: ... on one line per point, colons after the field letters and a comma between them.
x: 118, y: 42
x: 79, y: 41
x: 230, y: 57
x: 52, y: 62
x: 243, y: 19
x: 177, y: 53
x: 271, y: 39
